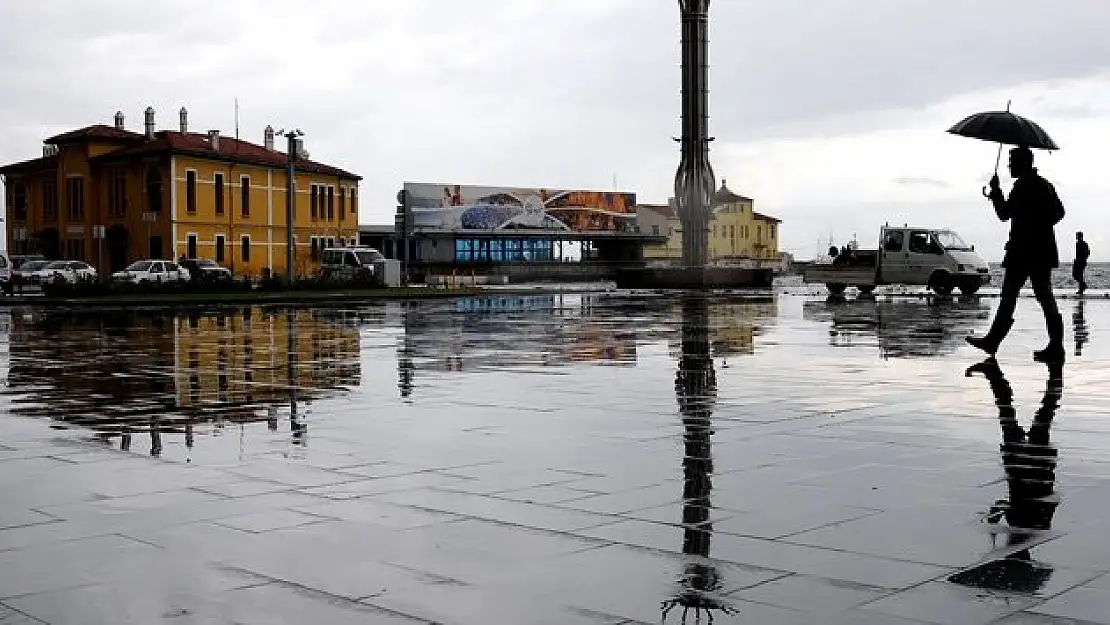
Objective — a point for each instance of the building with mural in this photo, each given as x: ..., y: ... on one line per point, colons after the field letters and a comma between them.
x: 110, y: 196
x: 737, y: 233
x: 455, y: 226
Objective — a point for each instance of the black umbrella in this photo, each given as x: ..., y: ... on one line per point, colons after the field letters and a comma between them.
x: 1004, y: 128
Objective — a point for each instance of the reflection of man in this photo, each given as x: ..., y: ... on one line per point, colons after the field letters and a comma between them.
x: 1032, y: 209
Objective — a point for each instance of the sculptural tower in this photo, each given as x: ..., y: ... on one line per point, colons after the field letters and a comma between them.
x: 694, y: 183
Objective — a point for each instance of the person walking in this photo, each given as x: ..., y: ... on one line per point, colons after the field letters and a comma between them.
x: 1079, y: 266
x: 1033, y: 210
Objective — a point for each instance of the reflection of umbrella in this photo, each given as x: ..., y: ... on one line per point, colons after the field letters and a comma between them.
x: 1004, y: 128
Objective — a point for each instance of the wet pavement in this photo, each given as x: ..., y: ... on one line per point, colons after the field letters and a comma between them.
x: 573, y: 458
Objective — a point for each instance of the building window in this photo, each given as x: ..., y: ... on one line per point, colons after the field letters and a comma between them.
x: 191, y: 246
x: 314, y: 243
x: 75, y: 249
x: 218, y: 185
x: 245, y: 195
x: 245, y: 248
x: 75, y: 192
x: 331, y: 203
x: 342, y: 204
x: 50, y: 200
x: 191, y: 192
x: 117, y: 194
x: 154, y: 191
x: 312, y: 202
x: 219, y: 248
x: 155, y: 246
x: 354, y: 202
x: 19, y: 200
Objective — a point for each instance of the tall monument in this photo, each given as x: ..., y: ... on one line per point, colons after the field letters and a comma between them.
x: 694, y: 183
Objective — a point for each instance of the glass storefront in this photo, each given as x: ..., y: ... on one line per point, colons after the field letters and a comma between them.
x: 504, y: 250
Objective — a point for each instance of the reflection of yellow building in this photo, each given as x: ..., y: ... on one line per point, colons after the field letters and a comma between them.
x: 735, y: 324
x: 736, y: 232
x: 256, y: 356
x: 165, y: 194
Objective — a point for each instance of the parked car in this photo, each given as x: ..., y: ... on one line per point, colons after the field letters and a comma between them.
x: 71, y: 271
x: 6, y: 284
x: 152, y: 271
x: 206, y: 270
x: 28, y: 272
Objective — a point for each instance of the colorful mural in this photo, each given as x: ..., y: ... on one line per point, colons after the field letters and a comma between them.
x: 462, y: 207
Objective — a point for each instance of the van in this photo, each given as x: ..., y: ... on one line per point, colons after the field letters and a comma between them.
x: 348, y: 263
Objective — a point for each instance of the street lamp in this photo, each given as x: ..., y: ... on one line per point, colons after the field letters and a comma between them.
x: 290, y: 201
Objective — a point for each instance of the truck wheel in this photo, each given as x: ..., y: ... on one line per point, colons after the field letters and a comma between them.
x: 970, y: 287
x: 866, y: 289
x: 941, y: 284
x: 836, y: 288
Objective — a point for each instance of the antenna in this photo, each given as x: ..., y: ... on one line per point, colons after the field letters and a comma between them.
x: 236, y: 119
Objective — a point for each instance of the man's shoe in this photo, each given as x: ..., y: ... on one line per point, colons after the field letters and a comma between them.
x: 1051, y: 354
x: 985, y: 343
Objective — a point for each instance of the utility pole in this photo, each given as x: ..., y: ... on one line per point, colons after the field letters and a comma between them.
x: 290, y: 203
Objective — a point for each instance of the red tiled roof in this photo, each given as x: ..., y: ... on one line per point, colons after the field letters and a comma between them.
x: 766, y: 217
x: 665, y: 210
x: 96, y: 131
x: 725, y: 195
x: 231, y: 150
x: 42, y: 162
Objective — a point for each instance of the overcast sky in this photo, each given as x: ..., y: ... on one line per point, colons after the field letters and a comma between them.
x: 830, y: 114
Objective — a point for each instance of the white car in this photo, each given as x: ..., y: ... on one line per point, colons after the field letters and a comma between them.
x: 71, y: 271
x: 152, y: 271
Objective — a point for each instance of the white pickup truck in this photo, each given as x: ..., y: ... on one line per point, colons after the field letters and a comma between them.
x: 936, y: 258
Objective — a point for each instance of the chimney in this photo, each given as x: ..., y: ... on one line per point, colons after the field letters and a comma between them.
x: 119, y: 120
x: 268, y: 138
x: 299, y: 151
x: 183, y: 118
x: 148, y: 121
x: 214, y: 139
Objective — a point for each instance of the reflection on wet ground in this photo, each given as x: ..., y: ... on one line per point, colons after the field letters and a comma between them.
x: 592, y: 459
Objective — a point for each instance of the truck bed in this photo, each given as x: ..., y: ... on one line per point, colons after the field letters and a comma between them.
x: 863, y: 270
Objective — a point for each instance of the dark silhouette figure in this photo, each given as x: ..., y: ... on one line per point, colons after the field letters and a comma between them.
x: 1082, y: 253
x: 1029, y: 460
x: 1033, y: 209
x: 696, y: 390
x: 1079, y: 327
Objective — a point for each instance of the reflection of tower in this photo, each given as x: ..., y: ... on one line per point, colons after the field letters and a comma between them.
x: 296, y: 424
x: 404, y: 355
x: 694, y: 182
x: 1079, y: 327
x: 696, y: 392
x: 1029, y: 460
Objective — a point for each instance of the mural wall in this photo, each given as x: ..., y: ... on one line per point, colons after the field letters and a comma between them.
x: 462, y: 207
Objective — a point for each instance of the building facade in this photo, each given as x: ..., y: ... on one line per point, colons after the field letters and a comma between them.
x: 110, y: 196
x: 737, y: 233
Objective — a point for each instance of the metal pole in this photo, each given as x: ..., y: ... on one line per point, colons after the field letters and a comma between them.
x: 290, y: 203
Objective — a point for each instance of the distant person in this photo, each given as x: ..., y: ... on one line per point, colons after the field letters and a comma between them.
x: 1033, y: 209
x: 1082, y: 253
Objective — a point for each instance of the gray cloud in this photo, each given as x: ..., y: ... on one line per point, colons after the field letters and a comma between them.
x: 568, y: 93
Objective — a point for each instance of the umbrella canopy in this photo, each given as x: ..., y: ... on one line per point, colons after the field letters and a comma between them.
x: 1006, y: 128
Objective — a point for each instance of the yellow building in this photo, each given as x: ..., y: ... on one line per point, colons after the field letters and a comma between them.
x: 737, y: 233
x: 110, y: 196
